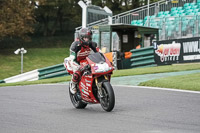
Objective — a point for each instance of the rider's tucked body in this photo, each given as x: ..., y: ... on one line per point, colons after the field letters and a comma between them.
x: 79, y: 50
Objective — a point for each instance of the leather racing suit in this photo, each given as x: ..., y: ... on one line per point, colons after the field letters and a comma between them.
x: 78, y: 52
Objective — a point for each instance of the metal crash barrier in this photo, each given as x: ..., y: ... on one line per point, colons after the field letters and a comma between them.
x: 139, y: 58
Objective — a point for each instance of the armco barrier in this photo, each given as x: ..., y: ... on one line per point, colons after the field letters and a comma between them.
x: 2, y: 81
x: 140, y: 58
x: 44, y: 73
x: 52, y: 71
x: 23, y: 77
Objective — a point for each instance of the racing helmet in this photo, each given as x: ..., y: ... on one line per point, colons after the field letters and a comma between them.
x: 85, y: 33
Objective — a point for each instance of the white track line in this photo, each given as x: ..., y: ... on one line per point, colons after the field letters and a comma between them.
x: 143, y: 87
x: 157, y: 88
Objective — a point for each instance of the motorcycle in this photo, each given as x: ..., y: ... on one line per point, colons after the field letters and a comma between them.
x: 94, y: 86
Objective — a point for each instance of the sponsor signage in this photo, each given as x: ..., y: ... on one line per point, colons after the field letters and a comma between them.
x: 177, y: 51
x: 174, y: 1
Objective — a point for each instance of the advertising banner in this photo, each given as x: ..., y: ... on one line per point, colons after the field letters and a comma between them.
x: 177, y: 51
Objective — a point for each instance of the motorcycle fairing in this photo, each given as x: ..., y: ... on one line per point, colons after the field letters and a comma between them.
x: 101, y: 67
x: 85, y: 87
x: 67, y: 65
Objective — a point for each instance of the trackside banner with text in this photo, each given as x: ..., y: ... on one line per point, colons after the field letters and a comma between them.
x: 177, y: 51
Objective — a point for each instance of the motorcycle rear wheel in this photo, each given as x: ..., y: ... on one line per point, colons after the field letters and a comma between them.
x: 108, y: 100
x: 77, y: 103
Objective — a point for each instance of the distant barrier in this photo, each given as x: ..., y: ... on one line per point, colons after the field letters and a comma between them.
x: 44, y: 73
x: 52, y: 72
x: 2, y: 81
x: 28, y: 76
x: 140, y: 58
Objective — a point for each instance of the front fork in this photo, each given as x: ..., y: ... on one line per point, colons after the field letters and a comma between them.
x: 99, y: 85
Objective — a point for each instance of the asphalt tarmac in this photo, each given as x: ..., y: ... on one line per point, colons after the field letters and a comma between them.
x: 48, y: 109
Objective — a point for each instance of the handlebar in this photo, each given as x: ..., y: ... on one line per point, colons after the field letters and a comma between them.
x: 85, y: 67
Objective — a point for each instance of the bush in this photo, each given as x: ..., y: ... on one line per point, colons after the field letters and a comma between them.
x: 37, y: 42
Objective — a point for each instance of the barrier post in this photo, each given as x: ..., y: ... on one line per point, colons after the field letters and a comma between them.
x: 114, y: 54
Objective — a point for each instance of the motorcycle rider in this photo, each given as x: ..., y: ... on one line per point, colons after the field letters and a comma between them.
x: 79, y: 50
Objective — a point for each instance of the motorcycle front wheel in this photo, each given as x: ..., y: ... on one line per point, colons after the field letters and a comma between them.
x: 76, y: 101
x: 108, y: 99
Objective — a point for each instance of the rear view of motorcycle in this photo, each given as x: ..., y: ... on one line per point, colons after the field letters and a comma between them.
x: 94, y: 86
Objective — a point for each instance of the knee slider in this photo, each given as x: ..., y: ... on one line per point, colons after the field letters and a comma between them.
x: 76, y: 77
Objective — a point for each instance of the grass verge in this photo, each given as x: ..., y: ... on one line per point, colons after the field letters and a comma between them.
x: 185, y: 82
x: 118, y: 73
x: 35, y: 58
x: 157, y: 69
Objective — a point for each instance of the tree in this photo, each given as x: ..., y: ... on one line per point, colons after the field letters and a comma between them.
x: 16, y: 18
x: 52, y: 14
x: 118, y: 6
x: 114, y: 5
x: 97, y: 2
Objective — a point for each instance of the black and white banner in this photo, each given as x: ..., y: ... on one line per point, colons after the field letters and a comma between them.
x: 177, y: 51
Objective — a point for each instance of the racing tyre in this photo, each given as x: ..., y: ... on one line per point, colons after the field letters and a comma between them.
x: 76, y: 100
x: 108, y: 99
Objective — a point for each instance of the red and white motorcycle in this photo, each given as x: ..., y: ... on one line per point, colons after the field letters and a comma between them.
x: 94, y: 86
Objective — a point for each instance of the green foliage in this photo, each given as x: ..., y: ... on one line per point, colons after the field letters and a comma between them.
x: 56, y: 15
x: 186, y: 82
x: 37, y: 42
x: 20, y: 19
x: 97, y: 2
x: 119, y: 6
x: 43, y: 17
x: 16, y: 18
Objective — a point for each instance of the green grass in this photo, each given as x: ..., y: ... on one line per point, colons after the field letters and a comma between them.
x: 157, y: 69
x: 117, y: 73
x: 42, y: 57
x: 10, y: 64
x: 185, y: 82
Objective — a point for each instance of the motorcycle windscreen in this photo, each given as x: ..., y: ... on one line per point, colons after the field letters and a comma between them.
x: 97, y: 58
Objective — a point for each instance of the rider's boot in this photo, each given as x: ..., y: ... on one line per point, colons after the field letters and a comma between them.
x: 73, y: 87
x: 75, y: 79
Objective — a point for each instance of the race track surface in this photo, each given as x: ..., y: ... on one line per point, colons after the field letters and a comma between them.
x: 48, y: 109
